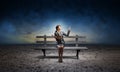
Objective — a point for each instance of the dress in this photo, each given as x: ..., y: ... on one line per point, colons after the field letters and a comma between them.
x: 61, y: 40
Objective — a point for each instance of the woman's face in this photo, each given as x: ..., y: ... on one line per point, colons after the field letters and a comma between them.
x: 59, y: 28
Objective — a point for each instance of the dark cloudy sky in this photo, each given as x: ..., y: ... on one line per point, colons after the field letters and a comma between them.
x: 22, y: 20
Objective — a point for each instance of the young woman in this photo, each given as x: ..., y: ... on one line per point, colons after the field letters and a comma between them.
x: 60, y: 41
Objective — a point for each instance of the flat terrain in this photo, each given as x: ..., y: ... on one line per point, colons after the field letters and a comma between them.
x: 21, y: 58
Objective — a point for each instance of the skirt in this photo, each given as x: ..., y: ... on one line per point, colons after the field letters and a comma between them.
x: 60, y: 43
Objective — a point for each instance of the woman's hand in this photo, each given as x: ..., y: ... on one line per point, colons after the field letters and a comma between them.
x: 69, y: 28
x: 57, y: 37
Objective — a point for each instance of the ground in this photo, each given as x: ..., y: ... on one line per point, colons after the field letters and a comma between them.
x: 23, y: 58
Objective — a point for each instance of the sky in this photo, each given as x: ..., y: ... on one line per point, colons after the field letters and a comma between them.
x: 22, y: 20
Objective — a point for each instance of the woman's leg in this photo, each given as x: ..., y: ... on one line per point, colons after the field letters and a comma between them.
x: 59, y: 53
x: 62, y: 48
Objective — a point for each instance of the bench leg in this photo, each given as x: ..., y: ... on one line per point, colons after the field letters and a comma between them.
x: 43, y: 50
x: 77, y: 53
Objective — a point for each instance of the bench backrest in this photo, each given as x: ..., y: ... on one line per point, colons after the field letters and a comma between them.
x: 77, y: 40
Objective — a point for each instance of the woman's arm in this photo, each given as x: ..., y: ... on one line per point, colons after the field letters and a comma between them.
x: 67, y: 33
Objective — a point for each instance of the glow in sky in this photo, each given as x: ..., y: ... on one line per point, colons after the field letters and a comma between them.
x: 21, y: 21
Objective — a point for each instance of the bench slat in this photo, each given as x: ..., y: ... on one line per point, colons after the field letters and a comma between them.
x: 64, y: 37
x: 69, y: 48
x: 67, y: 42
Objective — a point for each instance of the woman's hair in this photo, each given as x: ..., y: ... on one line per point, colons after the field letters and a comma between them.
x: 57, y: 27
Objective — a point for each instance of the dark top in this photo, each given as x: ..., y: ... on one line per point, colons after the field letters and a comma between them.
x: 61, y: 34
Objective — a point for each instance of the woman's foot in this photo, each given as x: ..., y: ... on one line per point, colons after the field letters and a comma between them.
x: 60, y: 60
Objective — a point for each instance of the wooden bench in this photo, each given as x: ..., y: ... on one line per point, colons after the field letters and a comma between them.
x: 45, y: 44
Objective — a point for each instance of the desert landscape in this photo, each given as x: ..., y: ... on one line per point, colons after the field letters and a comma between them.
x: 24, y: 58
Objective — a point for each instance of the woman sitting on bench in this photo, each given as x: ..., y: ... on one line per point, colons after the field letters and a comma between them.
x: 60, y: 41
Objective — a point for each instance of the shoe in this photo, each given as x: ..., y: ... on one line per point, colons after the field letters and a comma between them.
x: 60, y: 60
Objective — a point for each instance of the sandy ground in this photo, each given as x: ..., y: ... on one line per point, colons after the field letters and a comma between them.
x: 26, y: 59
